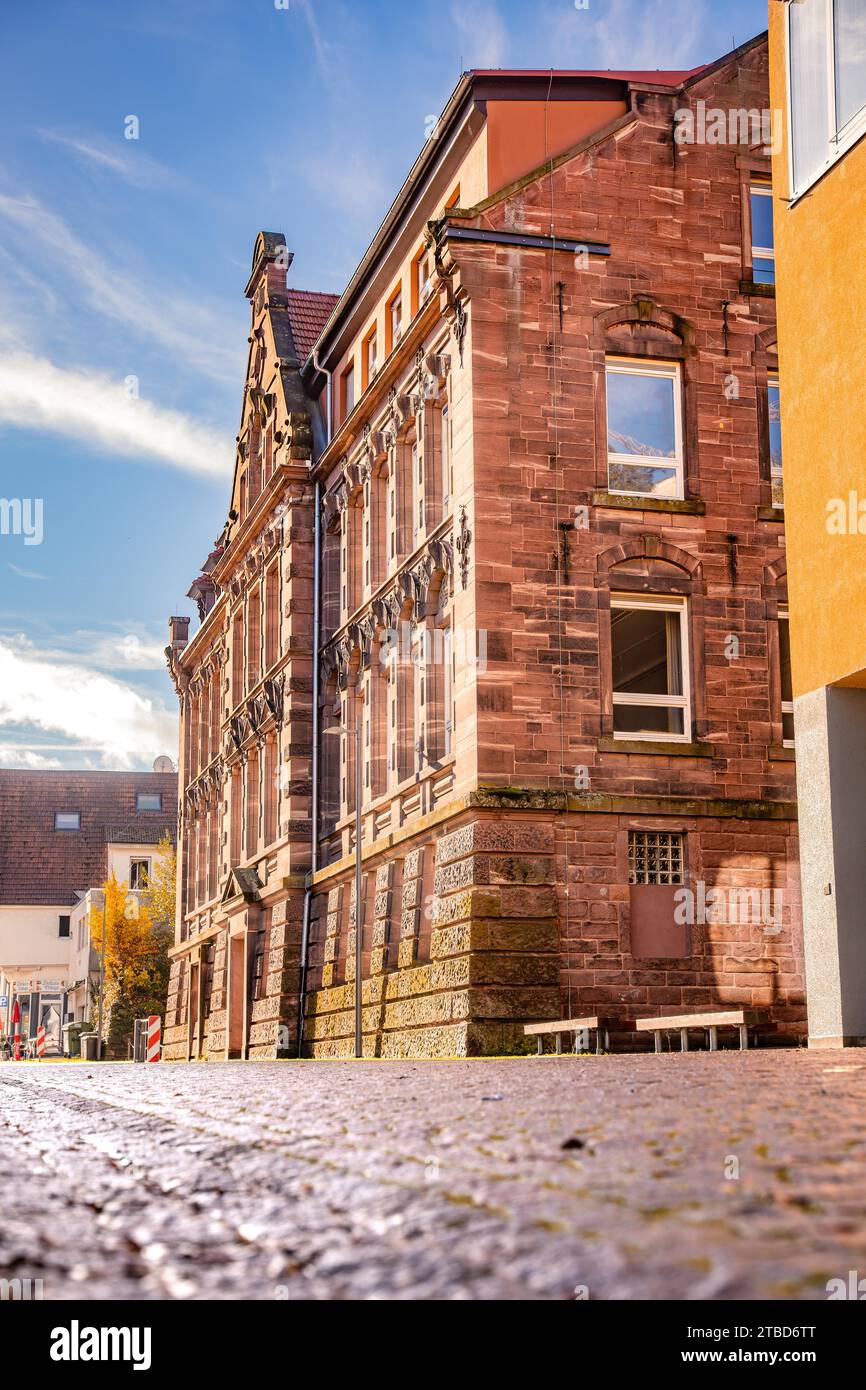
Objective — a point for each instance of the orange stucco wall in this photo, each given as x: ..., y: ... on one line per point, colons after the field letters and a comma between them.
x: 516, y: 133
x: 821, y: 302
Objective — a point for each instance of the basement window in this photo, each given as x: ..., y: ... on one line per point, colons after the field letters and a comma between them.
x: 650, y: 668
x: 657, y: 929
x: 67, y: 820
x: 644, y: 428
x: 655, y: 856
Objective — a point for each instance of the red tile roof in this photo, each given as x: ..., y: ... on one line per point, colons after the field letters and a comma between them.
x: 309, y: 311
x: 41, y: 865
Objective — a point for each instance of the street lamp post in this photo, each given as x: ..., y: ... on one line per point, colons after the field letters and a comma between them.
x: 101, y: 974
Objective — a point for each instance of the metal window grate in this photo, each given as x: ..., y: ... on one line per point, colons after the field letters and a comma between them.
x: 655, y: 856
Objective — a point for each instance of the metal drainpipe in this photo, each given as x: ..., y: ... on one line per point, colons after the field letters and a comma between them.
x: 314, y: 797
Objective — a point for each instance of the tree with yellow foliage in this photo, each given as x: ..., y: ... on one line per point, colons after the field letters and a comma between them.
x: 136, y: 962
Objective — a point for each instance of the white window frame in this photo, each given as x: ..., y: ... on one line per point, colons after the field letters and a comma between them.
x: 139, y: 859
x: 668, y: 371
x: 773, y: 380
x: 145, y: 810
x: 395, y: 302
x: 839, y: 141
x: 371, y: 349
x: 67, y: 828
x: 683, y: 702
x: 761, y: 253
x: 782, y: 616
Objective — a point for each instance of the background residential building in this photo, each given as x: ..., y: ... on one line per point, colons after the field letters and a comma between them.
x: 819, y: 175
x: 61, y: 834
x: 517, y: 490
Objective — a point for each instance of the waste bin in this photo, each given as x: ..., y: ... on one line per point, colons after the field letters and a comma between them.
x: 89, y: 1047
x: 72, y: 1039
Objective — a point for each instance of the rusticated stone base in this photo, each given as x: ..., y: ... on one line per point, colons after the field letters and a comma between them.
x: 269, y: 982
x: 459, y: 955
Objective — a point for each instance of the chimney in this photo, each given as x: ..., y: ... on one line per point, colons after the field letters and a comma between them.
x: 178, y: 633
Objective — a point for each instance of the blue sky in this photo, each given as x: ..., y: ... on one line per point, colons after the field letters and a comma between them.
x: 122, y: 265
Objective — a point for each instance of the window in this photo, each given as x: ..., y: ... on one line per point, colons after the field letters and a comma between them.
x: 237, y: 657
x: 786, y: 682
x: 655, y: 856
x: 67, y: 820
x: 445, y: 456
x: 63, y: 926
x: 258, y: 982
x: 775, y: 423
x: 148, y: 801
x: 763, y: 255
x: 272, y: 616
x: 371, y: 358
x: 826, y: 84
x: 644, y: 427
x: 254, y: 639
x: 139, y: 873
x: 348, y: 391
x: 395, y: 320
x: 650, y: 668
x: 422, y: 285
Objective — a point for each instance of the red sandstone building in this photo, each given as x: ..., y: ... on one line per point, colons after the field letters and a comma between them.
x: 515, y: 491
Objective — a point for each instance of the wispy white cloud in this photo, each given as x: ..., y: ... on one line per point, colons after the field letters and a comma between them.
x: 322, y: 48
x: 11, y: 755
x: 621, y: 33
x: 350, y: 183
x: 188, y: 330
x: 482, y: 33
x: 37, y: 395
x: 110, y: 719
x: 26, y: 574
x: 123, y: 649
x: 130, y: 164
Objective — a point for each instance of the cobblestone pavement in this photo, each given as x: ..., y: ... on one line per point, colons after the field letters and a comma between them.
x: 509, y: 1178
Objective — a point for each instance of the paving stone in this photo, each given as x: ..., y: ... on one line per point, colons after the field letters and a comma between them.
x: 695, y: 1176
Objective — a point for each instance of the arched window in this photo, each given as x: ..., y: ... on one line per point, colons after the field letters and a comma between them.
x: 646, y: 424
x: 650, y: 656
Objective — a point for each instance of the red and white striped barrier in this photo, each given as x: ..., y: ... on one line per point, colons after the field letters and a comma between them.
x: 40, y: 1041
x: 154, y: 1038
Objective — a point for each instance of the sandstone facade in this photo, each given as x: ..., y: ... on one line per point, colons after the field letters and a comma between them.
x: 522, y: 851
